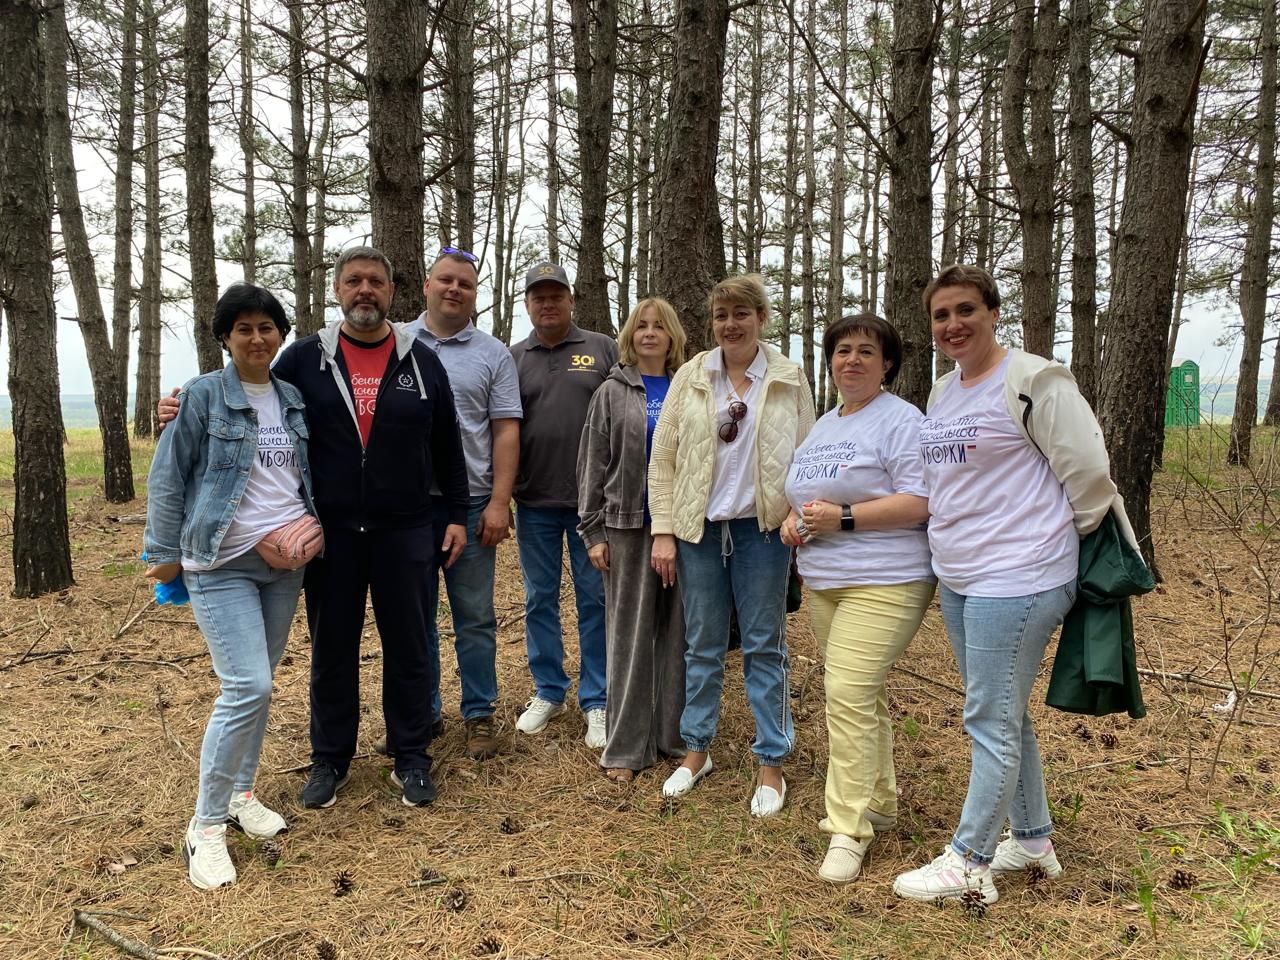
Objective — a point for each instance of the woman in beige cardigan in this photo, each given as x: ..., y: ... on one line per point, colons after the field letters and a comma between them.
x: 728, y: 429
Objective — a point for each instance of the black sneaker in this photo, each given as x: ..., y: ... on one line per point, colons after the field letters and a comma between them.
x: 321, y: 788
x: 419, y: 790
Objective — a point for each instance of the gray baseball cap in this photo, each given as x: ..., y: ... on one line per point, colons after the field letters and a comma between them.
x: 547, y: 271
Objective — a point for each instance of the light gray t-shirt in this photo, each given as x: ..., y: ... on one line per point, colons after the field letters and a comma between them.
x: 482, y: 376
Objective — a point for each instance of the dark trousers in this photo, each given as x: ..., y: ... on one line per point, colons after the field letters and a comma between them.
x: 397, y: 568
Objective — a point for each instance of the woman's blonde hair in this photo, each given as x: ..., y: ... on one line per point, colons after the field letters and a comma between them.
x: 670, y: 322
x: 745, y: 288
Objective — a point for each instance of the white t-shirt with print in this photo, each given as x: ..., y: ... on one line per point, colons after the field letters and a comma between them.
x: 1000, y: 523
x: 271, y: 495
x: 871, y: 453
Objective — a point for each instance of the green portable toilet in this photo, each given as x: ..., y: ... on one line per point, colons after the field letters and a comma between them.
x: 1182, y: 403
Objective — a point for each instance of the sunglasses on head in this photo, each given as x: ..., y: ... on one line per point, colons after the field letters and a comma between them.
x: 729, y: 429
x: 458, y: 252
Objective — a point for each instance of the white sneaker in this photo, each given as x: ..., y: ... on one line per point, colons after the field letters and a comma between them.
x: 766, y: 801
x: 948, y: 876
x: 1011, y: 856
x: 843, y: 862
x: 247, y: 814
x: 537, y: 713
x: 205, y: 849
x: 595, y: 738
x: 684, y: 779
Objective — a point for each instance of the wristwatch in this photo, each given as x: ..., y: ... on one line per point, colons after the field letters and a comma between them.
x: 846, y: 518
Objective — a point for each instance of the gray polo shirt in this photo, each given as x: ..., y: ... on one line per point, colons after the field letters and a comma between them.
x: 482, y: 376
x: 556, y: 384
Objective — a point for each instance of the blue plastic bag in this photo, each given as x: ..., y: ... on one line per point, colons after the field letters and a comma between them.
x: 174, y: 592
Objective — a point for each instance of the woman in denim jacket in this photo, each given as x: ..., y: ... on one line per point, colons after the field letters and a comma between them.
x: 230, y: 470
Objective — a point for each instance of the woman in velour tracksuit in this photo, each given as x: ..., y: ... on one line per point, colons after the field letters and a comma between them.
x: 644, y: 618
x: 1017, y: 473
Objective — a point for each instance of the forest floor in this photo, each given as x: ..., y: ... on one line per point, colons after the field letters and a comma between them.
x: 1169, y: 827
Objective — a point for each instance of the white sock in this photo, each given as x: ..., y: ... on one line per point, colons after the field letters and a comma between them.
x: 1036, y: 846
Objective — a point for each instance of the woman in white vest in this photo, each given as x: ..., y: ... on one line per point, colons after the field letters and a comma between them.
x: 729, y: 426
x: 1017, y: 472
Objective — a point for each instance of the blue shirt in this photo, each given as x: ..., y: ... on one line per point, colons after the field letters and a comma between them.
x: 655, y: 392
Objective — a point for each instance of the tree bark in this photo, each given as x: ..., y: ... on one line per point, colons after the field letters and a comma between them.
x: 199, y: 163
x: 147, y: 391
x: 108, y: 385
x: 1134, y: 379
x: 321, y: 163
x: 460, y: 65
x: 910, y: 140
x: 1257, y: 250
x: 1084, y: 244
x: 299, y: 150
x: 248, y: 150
x: 808, y: 280
x: 397, y: 187
x: 835, y: 280
x: 683, y: 270
x: 122, y: 282
x: 41, y: 544
x: 1028, y: 78
x: 553, y: 133
x: 791, y: 176
x: 595, y: 43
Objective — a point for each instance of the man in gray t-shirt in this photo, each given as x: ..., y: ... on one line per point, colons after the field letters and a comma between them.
x: 486, y: 395
x: 560, y: 367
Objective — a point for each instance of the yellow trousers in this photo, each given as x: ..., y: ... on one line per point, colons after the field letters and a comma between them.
x: 863, y: 630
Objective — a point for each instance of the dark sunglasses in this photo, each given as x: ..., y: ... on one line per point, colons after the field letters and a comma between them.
x: 729, y: 431
x: 458, y: 252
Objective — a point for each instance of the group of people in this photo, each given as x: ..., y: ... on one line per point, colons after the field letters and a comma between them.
x: 684, y: 491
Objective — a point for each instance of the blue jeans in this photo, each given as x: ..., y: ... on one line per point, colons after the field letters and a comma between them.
x: 244, y: 609
x: 999, y: 643
x: 469, y: 585
x: 735, y: 566
x: 540, y: 534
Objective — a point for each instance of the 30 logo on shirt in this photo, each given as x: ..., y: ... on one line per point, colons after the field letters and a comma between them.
x: 584, y: 361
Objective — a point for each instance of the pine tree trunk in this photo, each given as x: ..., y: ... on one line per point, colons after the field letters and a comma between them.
x: 644, y: 184
x: 147, y: 385
x: 808, y: 279
x: 319, y: 177
x: 911, y: 194
x: 460, y: 66
x: 1133, y: 380
x: 553, y: 133
x: 683, y: 264
x: 248, y: 150
x: 108, y: 387
x: 835, y: 281
x: 122, y: 282
x: 755, y: 161
x: 298, y: 153
x: 1028, y: 78
x: 41, y: 544
x: 1257, y: 250
x: 1084, y: 249
x: 199, y: 163
x: 628, y: 198
x: 595, y: 43
x: 791, y: 175
x: 397, y: 187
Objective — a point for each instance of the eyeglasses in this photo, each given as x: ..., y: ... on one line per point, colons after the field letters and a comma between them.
x: 729, y: 430
x: 459, y: 252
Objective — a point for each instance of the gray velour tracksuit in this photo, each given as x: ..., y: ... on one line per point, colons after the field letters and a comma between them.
x: 644, y: 622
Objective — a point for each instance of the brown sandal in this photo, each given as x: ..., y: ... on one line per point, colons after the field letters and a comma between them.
x: 620, y: 774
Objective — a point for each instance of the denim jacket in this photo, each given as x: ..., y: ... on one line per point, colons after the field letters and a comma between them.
x: 202, y: 465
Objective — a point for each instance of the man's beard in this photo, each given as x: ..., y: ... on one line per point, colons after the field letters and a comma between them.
x: 364, y: 317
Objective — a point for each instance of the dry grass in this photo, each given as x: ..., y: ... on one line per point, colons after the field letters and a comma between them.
x: 552, y: 860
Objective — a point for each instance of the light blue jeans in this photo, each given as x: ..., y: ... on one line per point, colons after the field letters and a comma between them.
x: 735, y: 566
x: 244, y: 608
x: 540, y: 535
x: 999, y: 643
x: 469, y: 585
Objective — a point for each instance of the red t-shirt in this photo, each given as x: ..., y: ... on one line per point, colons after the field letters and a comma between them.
x: 366, y: 363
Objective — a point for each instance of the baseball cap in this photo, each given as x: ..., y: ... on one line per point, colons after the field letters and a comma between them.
x: 547, y: 271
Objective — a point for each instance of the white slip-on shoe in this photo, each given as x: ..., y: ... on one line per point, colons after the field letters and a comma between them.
x: 947, y: 877
x: 537, y: 713
x: 595, y: 738
x: 766, y: 801
x: 684, y: 779
x: 247, y: 814
x: 843, y: 862
x: 1012, y: 856
x: 204, y: 849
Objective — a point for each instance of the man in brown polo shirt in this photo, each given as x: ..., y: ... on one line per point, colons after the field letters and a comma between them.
x: 560, y: 367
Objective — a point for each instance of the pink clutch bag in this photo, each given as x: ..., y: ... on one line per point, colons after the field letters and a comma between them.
x: 293, y: 545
